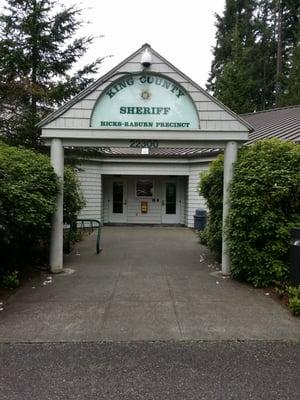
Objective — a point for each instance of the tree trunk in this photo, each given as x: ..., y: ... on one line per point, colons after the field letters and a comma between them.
x: 279, y: 53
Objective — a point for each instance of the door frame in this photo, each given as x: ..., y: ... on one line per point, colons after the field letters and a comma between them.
x: 171, y: 218
x: 117, y: 217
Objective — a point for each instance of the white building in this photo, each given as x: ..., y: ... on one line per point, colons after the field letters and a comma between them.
x: 155, y: 131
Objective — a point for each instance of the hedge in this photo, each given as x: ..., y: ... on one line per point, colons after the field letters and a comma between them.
x: 265, y: 203
x: 28, y: 188
x: 211, y: 188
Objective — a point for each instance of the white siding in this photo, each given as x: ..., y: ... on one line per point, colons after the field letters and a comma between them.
x: 96, y: 190
x: 186, y: 204
x: 211, y: 115
x: 139, y: 168
x: 194, y: 199
x: 90, y: 180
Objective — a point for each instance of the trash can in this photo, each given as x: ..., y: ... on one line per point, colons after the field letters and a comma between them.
x: 295, y: 257
x: 200, y: 219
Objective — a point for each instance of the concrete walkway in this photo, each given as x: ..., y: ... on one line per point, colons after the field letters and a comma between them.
x: 149, y: 283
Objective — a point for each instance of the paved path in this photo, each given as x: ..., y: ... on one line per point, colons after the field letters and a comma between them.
x: 150, y: 371
x: 149, y: 283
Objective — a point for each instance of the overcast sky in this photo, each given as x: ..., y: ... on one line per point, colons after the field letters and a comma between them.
x: 180, y: 30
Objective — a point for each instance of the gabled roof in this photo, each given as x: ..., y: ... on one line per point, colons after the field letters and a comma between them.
x: 61, y: 110
x: 283, y: 123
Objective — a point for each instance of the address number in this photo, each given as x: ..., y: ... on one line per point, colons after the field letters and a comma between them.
x: 151, y: 144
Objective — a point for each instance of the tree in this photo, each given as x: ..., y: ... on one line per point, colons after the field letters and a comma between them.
x: 255, y: 55
x: 235, y: 85
x: 233, y: 27
x: 37, y: 53
x: 291, y: 93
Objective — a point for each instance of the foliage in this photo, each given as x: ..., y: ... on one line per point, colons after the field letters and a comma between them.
x: 291, y: 94
x: 265, y: 203
x: 211, y: 188
x: 28, y: 187
x: 73, y: 197
x: 256, y: 43
x: 294, y: 299
x: 38, y: 53
x: 11, y: 280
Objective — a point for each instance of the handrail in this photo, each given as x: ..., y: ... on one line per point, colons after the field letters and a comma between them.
x: 91, y: 221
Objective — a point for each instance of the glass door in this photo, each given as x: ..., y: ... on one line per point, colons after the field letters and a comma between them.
x: 170, y: 203
x: 118, y: 201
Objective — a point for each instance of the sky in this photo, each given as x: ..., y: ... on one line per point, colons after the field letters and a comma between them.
x: 182, y: 31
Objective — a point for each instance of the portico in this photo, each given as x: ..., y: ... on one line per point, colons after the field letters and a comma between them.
x: 153, y: 162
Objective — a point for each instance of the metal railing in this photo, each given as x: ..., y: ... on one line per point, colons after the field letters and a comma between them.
x: 91, y: 222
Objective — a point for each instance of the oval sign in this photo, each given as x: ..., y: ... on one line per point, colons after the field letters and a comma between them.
x: 146, y: 101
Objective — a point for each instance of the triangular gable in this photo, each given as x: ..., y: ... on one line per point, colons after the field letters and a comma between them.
x: 213, y: 115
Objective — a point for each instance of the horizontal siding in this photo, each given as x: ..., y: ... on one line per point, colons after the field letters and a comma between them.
x: 121, y: 168
x: 186, y: 204
x: 90, y: 182
x: 211, y: 115
x: 194, y: 199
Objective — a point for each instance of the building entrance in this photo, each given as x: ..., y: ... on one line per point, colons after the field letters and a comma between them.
x: 118, y: 201
x: 144, y: 199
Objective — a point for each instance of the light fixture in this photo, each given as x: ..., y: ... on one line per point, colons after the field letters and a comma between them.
x: 145, y: 150
x: 146, y: 59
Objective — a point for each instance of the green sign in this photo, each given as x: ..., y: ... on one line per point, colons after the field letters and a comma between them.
x: 146, y: 101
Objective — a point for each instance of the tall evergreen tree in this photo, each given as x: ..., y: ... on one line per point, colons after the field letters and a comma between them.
x: 291, y: 94
x: 265, y: 34
x: 234, y: 27
x: 37, y: 53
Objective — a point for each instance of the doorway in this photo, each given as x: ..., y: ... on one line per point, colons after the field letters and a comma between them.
x: 171, y: 202
x: 118, y: 201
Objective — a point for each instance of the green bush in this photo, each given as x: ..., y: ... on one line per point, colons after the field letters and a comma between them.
x: 265, y: 203
x: 211, y: 188
x: 294, y: 299
x: 11, y: 280
x: 73, y: 197
x: 28, y: 187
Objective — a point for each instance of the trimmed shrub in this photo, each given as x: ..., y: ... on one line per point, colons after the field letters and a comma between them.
x: 73, y: 197
x: 265, y: 203
x: 28, y: 187
x: 211, y: 188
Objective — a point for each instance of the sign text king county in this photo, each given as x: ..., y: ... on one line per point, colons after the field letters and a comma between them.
x: 150, y: 79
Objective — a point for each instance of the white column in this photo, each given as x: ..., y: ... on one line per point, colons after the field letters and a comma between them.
x: 229, y: 158
x: 56, y: 244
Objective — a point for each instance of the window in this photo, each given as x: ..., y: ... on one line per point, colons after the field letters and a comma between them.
x: 171, y: 198
x: 144, y: 188
x: 118, y: 197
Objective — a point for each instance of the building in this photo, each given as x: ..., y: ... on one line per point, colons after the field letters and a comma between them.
x: 282, y: 123
x: 153, y: 131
